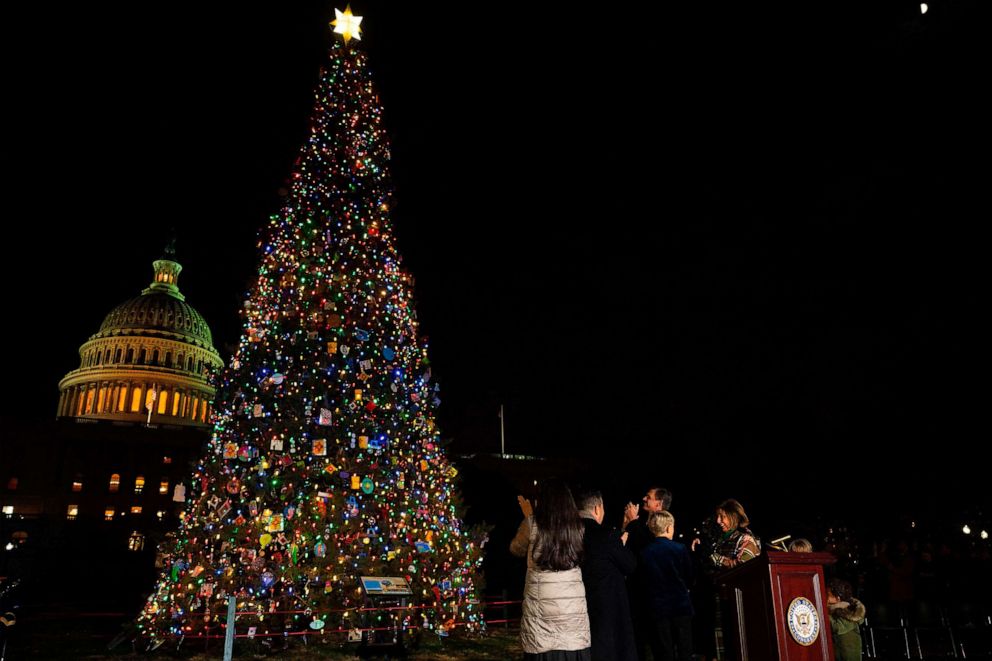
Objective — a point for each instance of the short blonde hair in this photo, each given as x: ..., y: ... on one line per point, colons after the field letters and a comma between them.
x: 658, y: 522
x: 801, y: 545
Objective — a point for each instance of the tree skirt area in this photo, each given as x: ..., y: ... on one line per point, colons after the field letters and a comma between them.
x: 82, y: 642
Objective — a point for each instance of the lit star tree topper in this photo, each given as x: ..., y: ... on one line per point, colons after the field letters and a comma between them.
x: 347, y: 24
x: 325, y: 465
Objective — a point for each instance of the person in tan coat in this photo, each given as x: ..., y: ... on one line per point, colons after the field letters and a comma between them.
x: 555, y: 623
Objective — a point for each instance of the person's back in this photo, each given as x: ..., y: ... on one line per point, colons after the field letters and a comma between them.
x: 668, y: 573
x: 606, y: 561
x: 554, y: 623
x: 666, y: 569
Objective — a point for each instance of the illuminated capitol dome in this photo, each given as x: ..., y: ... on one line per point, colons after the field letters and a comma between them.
x: 150, y: 361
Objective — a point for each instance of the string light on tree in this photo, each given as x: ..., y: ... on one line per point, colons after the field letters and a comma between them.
x: 325, y: 462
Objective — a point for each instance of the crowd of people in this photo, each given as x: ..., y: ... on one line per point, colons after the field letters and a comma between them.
x: 593, y: 591
x: 597, y: 592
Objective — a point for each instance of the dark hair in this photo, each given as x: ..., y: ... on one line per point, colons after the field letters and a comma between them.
x: 664, y: 495
x: 558, y: 545
x: 841, y: 589
x: 588, y: 499
x: 735, y: 512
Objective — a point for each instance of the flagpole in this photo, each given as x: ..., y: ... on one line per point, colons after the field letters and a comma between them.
x: 502, y: 434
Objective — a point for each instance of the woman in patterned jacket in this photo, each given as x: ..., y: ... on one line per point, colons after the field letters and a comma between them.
x: 737, y: 544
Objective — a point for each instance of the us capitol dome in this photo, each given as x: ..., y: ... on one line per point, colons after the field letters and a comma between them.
x: 149, y: 362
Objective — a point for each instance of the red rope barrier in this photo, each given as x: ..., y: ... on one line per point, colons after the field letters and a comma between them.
x: 484, y: 605
x: 294, y: 633
x: 70, y: 615
x: 320, y: 631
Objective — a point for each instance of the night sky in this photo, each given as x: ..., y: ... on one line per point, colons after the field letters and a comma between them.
x: 722, y: 246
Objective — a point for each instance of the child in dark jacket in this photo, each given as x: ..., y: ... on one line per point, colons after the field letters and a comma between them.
x: 846, y: 614
x: 667, y: 570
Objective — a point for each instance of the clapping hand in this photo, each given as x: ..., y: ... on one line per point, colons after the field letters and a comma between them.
x: 525, y: 506
x: 629, y: 513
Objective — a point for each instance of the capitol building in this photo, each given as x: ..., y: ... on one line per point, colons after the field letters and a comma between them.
x: 150, y: 361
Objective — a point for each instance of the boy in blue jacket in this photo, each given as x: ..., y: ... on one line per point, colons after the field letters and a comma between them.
x: 667, y: 570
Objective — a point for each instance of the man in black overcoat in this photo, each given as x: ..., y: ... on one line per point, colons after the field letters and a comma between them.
x: 606, y: 563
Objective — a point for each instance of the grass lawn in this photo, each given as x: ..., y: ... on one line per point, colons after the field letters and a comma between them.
x: 85, y: 642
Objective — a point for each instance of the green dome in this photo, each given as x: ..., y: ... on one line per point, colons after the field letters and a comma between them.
x: 157, y: 312
x: 160, y: 310
x: 152, y: 348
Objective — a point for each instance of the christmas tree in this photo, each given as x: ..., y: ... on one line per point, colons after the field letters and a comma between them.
x: 325, y: 463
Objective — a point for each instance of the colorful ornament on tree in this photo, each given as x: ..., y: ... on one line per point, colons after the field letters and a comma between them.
x: 329, y: 270
x: 325, y: 417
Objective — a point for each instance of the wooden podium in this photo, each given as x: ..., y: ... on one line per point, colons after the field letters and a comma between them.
x: 774, y: 608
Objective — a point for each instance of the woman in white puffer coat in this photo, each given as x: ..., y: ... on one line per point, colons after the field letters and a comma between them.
x: 555, y: 624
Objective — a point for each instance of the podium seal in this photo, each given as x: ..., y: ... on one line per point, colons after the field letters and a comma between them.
x: 804, y: 622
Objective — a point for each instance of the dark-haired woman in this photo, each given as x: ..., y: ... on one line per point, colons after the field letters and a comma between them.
x: 737, y: 544
x: 555, y: 624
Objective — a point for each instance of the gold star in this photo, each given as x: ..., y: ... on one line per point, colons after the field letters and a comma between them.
x: 347, y: 24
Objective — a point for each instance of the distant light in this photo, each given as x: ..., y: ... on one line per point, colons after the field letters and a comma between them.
x: 10, y: 546
x: 912, y: 524
x: 984, y: 534
x: 966, y: 530
x: 923, y: 8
